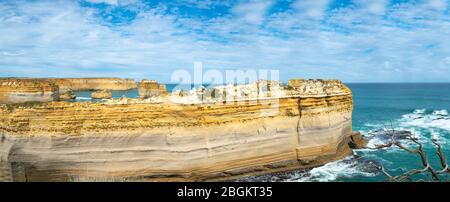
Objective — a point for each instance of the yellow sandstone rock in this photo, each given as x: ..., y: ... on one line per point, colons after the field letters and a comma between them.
x: 151, y: 88
x: 67, y: 95
x: 14, y: 90
x: 101, y: 94
x: 94, y: 83
x: 173, y: 139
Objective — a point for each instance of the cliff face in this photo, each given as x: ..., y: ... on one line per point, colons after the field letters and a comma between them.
x: 151, y: 88
x: 94, y: 84
x: 27, y: 90
x: 175, y: 141
x: 20, y: 90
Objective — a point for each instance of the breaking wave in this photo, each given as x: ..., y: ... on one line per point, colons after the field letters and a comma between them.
x: 438, y: 119
x: 348, y: 167
x: 340, y: 170
x: 82, y: 98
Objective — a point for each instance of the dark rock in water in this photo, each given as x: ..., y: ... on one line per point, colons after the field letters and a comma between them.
x: 357, y: 141
x: 370, y: 166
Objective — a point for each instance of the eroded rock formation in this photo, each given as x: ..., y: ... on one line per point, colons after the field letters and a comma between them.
x: 101, y: 94
x: 77, y: 84
x: 68, y: 94
x: 150, y: 88
x: 20, y: 90
x: 14, y: 90
x: 178, y: 139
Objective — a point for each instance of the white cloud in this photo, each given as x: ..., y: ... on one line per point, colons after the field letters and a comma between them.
x: 374, y: 7
x: 47, y: 38
x: 112, y: 2
x: 252, y: 11
x: 438, y: 4
x: 312, y: 9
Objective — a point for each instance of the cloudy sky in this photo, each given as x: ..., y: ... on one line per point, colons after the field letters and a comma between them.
x: 351, y: 40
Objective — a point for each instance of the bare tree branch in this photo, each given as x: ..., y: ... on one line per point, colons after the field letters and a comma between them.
x: 427, y: 168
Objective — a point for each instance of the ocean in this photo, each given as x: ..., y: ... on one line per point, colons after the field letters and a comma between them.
x: 421, y: 108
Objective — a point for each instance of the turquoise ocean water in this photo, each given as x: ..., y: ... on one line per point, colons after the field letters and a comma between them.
x: 420, y: 108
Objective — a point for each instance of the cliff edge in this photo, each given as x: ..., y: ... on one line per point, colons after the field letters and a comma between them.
x: 206, y: 134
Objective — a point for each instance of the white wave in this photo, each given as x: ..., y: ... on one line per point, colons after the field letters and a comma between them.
x: 374, y: 142
x: 420, y: 111
x: 372, y: 125
x: 345, y: 168
x: 82, y: 98
x: 442, y: 112
x: 438, y: 119
x: 439, y: 136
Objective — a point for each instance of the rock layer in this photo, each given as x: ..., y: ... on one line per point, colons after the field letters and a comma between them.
x: 67, y: 95
x: 101, y: 94
x: 151, y: 88
x: 77, y: 84
x: 168, y: 141
x: 27, y: 90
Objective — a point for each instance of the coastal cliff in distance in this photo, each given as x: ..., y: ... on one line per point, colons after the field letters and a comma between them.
x: 20, y: 90
x: 229, y: 132
x: 27, y: 90
x: 77, y: 84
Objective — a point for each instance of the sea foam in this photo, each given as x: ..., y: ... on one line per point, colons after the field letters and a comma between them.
x: 437, y: 119
x: 83, y: 98
x: 345, y: 168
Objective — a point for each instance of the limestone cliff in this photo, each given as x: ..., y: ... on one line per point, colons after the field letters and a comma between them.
x: 94, y: 83
x: 19, y: 90
x: 150, y: 88
x: 101, y: 94
x: 14, y: 90
x: 177, y: 138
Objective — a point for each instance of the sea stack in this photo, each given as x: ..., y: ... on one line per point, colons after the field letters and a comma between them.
x: 179, y: 138
x: 150, y: 88
x: 67, y: 94
x: 101, y: 94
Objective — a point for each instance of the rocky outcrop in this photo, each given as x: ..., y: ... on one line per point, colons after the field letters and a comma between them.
x: 177, y: 139
x: 14, y: 90
x: 162, y: 89
x: 150, y: 88
x: 68, y: 94
x: 101, y: 94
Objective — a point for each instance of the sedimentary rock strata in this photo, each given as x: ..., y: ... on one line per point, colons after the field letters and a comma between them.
x: 19, y: 90
x: 77, y: 84
x: 162, y: 89
x: 67, y: 95
x: 177, y: 139
x: 101, y: 94
x: 27, y: 90
x: 150, y: 88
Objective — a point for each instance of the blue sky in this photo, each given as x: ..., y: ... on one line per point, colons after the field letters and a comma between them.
x: 351, y: 40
